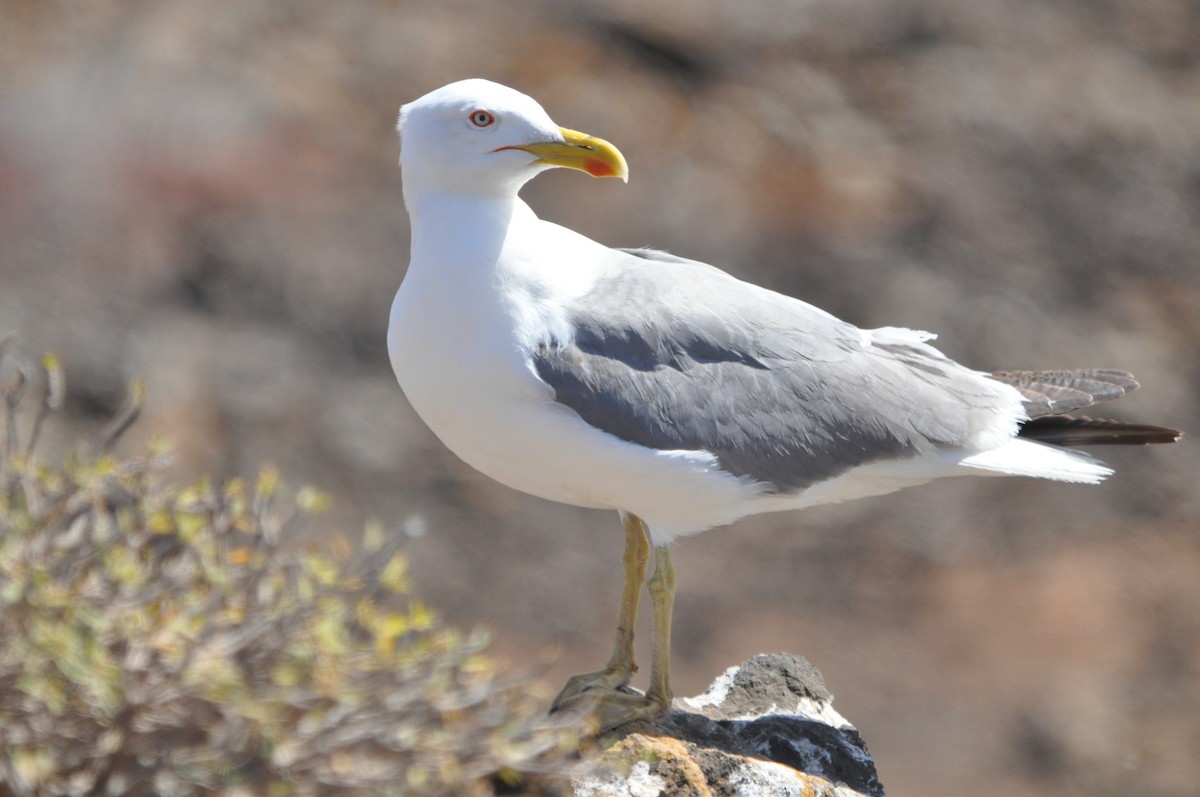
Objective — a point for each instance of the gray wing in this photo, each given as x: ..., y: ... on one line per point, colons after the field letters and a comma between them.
x: 673, y: 354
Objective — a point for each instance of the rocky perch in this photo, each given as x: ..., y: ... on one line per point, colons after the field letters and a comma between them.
x: 763, y: 728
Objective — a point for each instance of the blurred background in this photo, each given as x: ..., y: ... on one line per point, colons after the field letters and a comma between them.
x: 207, y: 194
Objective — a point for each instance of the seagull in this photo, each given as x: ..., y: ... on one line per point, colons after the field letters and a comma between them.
x: 665, y: 388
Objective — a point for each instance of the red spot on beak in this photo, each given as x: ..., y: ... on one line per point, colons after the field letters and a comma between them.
x: 598, y: 168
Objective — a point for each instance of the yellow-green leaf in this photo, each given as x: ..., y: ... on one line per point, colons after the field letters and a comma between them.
x: 313, y: 501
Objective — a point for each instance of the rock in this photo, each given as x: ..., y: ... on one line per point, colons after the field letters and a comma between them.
x: 766, y: 727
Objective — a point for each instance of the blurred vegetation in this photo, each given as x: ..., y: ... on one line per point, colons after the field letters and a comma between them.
x: 157, y: 638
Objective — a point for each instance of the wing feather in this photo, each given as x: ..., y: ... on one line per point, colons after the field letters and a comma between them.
x: 677, y: 355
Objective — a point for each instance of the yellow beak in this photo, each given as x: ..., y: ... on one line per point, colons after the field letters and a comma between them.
x: 579, y: 151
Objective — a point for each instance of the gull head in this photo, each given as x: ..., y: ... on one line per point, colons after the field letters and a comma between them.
x: 477, y: 137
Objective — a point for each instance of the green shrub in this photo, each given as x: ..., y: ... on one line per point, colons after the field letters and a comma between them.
x: 165, y: 639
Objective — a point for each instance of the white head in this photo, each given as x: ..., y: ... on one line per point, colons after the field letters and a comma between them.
x: 478, y: 137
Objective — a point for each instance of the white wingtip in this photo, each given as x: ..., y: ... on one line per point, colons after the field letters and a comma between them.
x: 1026, y: 458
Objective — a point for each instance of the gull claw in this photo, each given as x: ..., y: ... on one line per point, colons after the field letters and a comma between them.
x: 580, y: 685
x: 608, y: 706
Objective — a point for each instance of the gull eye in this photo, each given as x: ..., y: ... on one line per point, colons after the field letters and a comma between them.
x: 482, y: 118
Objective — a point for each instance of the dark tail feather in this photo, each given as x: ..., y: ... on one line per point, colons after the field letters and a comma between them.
x: 1055, y: 392
x: 1063, y: 430
x: 1049, y: 394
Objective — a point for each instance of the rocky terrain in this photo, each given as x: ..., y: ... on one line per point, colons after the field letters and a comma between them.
x: 763, y: 728
x: 206, y: 194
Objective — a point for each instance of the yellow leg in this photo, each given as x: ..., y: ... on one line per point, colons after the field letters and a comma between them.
x: 604, y: 694
x: 635, y: 559
x: 662, y: 595
x: 621, y: 666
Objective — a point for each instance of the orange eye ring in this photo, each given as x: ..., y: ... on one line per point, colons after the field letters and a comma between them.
x: 482, y: 118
